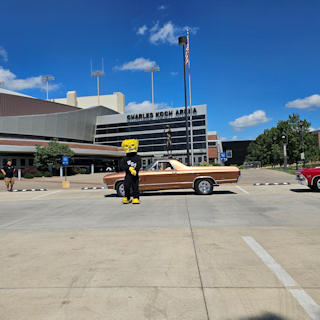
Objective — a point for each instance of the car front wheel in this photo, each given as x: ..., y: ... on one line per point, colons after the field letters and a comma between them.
x: 316, y: 184
x: 120, y: 189
x: 203, y: 186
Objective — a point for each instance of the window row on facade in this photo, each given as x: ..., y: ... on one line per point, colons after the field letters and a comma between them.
x: 150, y: 122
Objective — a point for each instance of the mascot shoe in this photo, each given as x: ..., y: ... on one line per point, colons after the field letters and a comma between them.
x: 135, y: 201
x: 125, y: 200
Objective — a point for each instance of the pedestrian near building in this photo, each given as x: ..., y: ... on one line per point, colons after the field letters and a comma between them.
x: 8, y: 170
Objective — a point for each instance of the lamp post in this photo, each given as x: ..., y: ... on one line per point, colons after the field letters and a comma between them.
x: 274, y: 139
x: 285, y: 142
x: 302, y: 143
x: 152, y: 70
x: 182, y: 42
x: 47, y: 79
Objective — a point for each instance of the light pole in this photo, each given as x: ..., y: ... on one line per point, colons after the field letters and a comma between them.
x: 302, y: 143
x: 97, y: 74
x: 274, y: 139
x: 285, y: 142
x: 152, y: 70
x: 182, y: 42
x: 47, y: 79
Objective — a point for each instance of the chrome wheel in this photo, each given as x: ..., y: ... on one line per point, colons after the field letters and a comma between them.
x: 316, y: 184
x: 203, y: 186
x: 120, y: 189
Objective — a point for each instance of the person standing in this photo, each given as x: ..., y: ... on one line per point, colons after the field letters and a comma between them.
x: 8, y: 170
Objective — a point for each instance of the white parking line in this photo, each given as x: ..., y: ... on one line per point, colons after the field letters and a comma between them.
x: 306, y: 302
x: 245, y: 191
x: 44, y: 195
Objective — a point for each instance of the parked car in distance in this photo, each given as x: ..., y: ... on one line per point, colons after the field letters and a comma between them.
x: 171, y: 174
x: 309, y: 177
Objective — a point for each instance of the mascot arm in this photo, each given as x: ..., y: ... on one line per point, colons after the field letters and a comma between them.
x: 132, y: 171
x: 138, y: 162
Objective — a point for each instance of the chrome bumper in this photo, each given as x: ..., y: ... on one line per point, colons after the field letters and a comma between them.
x: 301, y: 179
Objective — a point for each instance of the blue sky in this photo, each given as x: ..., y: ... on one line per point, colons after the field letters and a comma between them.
x: 250, y: 59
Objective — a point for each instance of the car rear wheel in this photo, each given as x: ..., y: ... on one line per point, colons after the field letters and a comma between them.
x: 316, y: 184
x: 203, y: 186
x: 120, y: 189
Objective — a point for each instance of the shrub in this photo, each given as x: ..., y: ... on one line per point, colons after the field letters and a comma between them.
x: 215, y: 164
x: 47, y: 174
x: 1, y: 176
x: 83, y: 170
x: 28, y: 175
x: 241, y: 167
x: 76, y: 170
x: 204, y: 164
x: 38, y: 174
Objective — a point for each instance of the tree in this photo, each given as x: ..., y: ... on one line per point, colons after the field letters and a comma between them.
x: 49, y: 157
x: 268, y: 147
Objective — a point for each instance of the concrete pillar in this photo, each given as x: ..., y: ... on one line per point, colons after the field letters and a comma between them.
x: 61, y: 172
x: 92, y: 168
x: 19, y: 174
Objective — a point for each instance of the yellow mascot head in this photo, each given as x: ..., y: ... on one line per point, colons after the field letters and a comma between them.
x: 130, y: 145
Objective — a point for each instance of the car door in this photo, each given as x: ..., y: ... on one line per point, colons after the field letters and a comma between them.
x: 161, y: 176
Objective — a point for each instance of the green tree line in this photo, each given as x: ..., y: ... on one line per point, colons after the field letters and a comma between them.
x: 268, y: 147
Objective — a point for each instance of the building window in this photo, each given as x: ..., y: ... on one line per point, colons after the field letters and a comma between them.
x: 30, y: 162
x: 212, y: 143
x: 22, y: 162
x: 229, y: 154
x: 200, y: 159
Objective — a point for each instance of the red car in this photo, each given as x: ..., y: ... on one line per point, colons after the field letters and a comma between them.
x: 309, y: 177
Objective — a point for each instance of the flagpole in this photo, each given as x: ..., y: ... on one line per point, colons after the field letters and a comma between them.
x: 190, y: 103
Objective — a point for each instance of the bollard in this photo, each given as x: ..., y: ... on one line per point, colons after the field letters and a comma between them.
x: 61, y: 172
x: 19, y: 174
x: 92, y: 168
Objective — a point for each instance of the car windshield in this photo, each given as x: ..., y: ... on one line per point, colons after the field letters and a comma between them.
x: 148, y: 168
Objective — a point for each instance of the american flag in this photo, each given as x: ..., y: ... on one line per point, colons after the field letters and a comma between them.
x: 187, y: 51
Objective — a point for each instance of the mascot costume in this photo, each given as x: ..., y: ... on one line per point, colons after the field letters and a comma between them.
x: 131, y: 164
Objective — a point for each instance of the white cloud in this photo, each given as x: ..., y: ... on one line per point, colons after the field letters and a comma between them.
x: 145, y: 106
x: 137, y: 65
x: 313, y: 129
x: 305, y: 103
x: 234, y: 138
x: 250, y: 120
x: 142, y: 30
x: 223, y: 139
x: 11, y: 81
x: 4, y: 54
x: 162, y: 7
x: 173, y: 73
x: 168, y: 33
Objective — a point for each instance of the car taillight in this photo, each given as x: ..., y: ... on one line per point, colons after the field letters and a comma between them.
x: 239, y: 173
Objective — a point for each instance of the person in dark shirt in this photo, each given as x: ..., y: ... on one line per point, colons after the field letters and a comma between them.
x: 131, y: 164
x: 8, y: 171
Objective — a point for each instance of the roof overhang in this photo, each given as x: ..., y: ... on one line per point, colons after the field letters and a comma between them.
x: 28, y: 146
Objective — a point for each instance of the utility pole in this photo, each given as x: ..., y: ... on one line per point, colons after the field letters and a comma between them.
x: 285, y: 142
x: 47, y: 79
x: 302, y: 144
x: 182, y: 42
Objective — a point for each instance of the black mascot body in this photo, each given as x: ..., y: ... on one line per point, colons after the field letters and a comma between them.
x: 131, y: 164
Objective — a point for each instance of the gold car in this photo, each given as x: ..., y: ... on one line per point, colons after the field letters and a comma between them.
x: 172, y: 174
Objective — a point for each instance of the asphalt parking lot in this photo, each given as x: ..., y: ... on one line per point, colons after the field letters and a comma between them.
x: 245, y: 252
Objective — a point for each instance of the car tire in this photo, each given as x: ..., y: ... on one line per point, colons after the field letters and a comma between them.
x: 203, y: 187
x: 120, y: 189
x: 316, y: 184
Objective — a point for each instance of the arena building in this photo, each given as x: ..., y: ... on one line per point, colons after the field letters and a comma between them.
x: 150, y: 129
x: 94, y: 133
